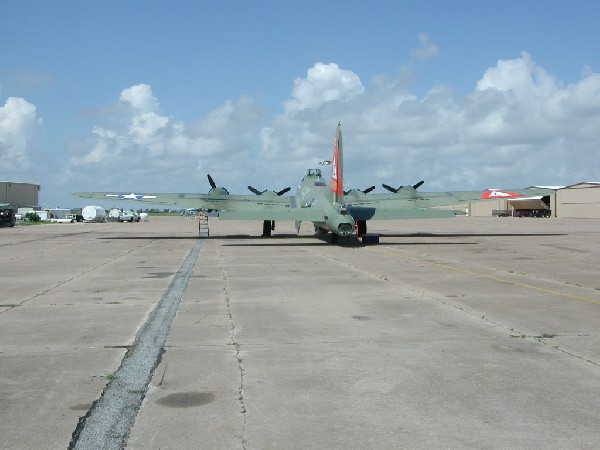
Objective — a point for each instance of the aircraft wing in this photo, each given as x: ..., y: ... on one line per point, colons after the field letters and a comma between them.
x: 418, y: 200
x: 201, y: 201
x: 230, y: 207
x: 295, y: 214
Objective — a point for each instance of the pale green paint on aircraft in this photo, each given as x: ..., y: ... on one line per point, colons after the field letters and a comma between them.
x: 326, y: 205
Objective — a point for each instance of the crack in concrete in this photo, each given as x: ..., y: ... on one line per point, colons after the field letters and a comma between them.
x: 475, y: 314
x: 237, y: 346
x: 108, y: 422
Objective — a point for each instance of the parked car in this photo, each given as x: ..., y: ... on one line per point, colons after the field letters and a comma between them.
x: 7, y: 215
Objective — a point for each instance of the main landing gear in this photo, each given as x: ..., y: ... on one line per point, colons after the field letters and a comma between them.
x: 268, y: 227
x: 361, y: 227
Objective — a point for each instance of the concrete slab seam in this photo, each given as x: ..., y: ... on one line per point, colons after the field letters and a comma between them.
x: 111, y: 417
x: 238, y: 356
x: 491, y: 277
x: 62, y: 283
x: 513, y: 333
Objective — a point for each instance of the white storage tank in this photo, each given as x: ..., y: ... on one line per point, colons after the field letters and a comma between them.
x: 93, y: 213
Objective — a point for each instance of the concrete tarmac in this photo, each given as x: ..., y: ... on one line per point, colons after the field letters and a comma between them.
x: 451, y: 333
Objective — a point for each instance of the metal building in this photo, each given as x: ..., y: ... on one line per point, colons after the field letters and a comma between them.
x: 581, y: 200
x: 578, y: 201
x: 19, y: 194
x: 538, y: 206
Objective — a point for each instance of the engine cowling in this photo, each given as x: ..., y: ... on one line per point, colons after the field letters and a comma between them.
x: 214, y: 189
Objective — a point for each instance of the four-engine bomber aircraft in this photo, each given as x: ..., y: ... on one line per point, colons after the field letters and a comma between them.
x: 329, y: 207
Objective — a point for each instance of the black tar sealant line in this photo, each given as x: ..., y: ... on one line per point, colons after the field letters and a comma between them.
x: 108, y: 422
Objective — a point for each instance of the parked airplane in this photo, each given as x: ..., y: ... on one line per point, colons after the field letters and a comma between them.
x: 326, y: 205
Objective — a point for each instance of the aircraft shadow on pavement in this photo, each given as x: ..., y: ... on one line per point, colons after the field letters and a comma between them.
x: 272, y: 241
x: 452, y: 235
x: 257, y: 241
x: 260, y: 241
x: 149, y: 238
x: 319, y: 241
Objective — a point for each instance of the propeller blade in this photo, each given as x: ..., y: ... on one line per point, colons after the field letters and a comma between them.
x: 366, y: 191
x: 211, y: 182
x: 418, y: 185
x: 283, y: 191
x: 369, y: 189
x: 254, y: 190
x: 389, y: 188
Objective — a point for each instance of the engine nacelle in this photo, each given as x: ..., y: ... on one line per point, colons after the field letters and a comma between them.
x: 218, y: 191
x: 214, y: 190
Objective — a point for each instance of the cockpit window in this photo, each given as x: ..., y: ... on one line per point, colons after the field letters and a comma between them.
x: 313, y: 173
x: 309, y: 203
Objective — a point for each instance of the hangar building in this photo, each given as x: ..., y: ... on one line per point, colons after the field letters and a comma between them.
x: 581, y: 200
x: 19, y: 194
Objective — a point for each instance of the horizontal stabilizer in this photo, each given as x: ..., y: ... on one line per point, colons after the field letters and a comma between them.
x: 366, y: 213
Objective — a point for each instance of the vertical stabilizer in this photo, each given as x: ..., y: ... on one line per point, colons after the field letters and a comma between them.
x: 337, y: 168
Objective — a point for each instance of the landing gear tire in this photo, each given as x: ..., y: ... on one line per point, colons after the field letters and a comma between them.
x: 361, y: 227
x: 268, y: 227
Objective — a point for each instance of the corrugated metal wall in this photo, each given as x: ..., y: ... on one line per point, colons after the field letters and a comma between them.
x: 484, y: 209
x: 19, y: 194
x: 579, y: 201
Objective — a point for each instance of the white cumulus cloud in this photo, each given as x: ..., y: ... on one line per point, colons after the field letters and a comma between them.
x: 146, y: 126
x: 324, y: 83
x: 520, y: 125
x: 145, y: 147
x: 140, y: 97
x: 18, y: 121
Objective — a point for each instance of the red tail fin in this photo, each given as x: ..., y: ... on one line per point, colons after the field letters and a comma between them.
x: 336, y: 184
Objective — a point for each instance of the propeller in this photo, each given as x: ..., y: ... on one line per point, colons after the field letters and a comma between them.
x: 214, y: 189
x: 278, y: 193
x: 365, y: 191
x: 395, y: 191
x: 211, y: 182
x: 268, y: 225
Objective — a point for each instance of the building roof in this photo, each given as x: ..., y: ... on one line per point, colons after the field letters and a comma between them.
x: 594, y: 184
x: 19, y: 182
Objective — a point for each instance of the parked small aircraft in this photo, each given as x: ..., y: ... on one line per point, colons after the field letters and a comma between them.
x: 328, y: 206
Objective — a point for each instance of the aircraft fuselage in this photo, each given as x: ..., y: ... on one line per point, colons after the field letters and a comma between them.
x: 313, y: 192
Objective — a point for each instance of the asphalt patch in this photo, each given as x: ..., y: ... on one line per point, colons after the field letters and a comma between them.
x: 111, y: 417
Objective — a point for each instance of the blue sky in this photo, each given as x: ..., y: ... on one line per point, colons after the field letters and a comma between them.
x: 154, y: 95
